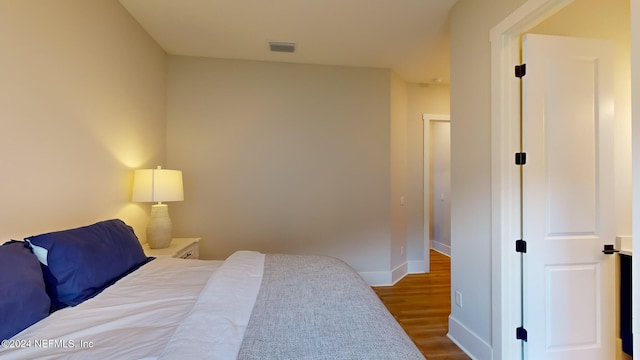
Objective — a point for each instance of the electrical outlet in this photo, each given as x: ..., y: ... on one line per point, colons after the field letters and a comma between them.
x: 458, y: 299
x: 401, y: 250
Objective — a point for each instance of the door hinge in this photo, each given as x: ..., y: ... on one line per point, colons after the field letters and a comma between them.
x: 521, y: 333
x: 521, y: 70
x: 521, y: 246
x: 521, y: 158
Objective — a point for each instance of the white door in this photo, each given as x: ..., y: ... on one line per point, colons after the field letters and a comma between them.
x: 568, y: 212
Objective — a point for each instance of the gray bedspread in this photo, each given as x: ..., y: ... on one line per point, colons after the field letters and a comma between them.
x: 315, y: 307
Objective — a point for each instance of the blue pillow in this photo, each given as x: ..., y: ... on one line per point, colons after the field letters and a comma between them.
x: 23, y: 299
x: 82, y: 262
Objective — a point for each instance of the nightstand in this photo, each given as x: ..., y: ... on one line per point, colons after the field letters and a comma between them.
x: 184, y: 248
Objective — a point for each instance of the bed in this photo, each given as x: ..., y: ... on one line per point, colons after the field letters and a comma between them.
x: 250, y: 306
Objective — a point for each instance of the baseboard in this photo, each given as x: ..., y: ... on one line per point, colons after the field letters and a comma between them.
x: 399, y: 272
x: 440, y: 247
x: 385, y: 278
x: 624, y: 243
x: 417, y: 266
x: 620, y: 355
x: 468, y: 341
x: 377, y: 278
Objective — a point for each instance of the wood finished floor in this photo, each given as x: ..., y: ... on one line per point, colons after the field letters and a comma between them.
x: 421, y: 303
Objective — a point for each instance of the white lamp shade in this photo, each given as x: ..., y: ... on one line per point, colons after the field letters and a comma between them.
x: 157, y: 185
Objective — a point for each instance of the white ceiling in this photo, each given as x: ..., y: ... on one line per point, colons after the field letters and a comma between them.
x: 409, y: 36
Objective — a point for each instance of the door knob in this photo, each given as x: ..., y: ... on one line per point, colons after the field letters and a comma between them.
x: 608, y: 249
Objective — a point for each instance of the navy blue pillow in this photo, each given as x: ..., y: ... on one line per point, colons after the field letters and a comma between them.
x: 23, y: 299
x: 82, y: 262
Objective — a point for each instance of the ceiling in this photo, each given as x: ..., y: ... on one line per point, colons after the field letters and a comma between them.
x: 409, y: 36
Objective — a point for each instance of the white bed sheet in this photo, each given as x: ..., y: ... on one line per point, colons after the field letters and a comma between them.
x: 133, y: 319
x: 215, y: 327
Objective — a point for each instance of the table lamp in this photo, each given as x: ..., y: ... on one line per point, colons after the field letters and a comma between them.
x: 158, y: 185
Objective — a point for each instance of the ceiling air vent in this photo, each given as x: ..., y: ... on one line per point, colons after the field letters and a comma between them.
x: 282, y: 46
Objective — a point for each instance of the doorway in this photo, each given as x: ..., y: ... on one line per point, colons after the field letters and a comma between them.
x: 437, y: 182
x: 505, y: 53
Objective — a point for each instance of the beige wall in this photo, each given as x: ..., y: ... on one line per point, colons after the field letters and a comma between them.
x: 471, y: 21
x: 635, y: 110
x: 399, y: 108
x: 607, y: 19
x: 282, y: 157
x: 423, y: 99
x: 83, y: 97
x: 81, y: 103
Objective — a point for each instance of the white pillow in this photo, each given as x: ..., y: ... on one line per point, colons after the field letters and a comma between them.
x: 40, y: 252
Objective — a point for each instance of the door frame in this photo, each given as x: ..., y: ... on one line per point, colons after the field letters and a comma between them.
x: 505, y: 52
x: 505, y: 176
x: 426, y: 184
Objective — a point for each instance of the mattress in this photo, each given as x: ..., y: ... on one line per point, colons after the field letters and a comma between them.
x: 129, y: 320
x: 251, y: 306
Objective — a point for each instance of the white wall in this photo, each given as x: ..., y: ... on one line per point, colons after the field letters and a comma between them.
x: 471, y: 21
x: 399, y: 108
x: 440, y: 180
x: 282, y: 158
x: 423, y: 99
x: 82, y: 97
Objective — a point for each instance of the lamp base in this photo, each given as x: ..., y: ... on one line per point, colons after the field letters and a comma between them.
x: 159, y: 227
